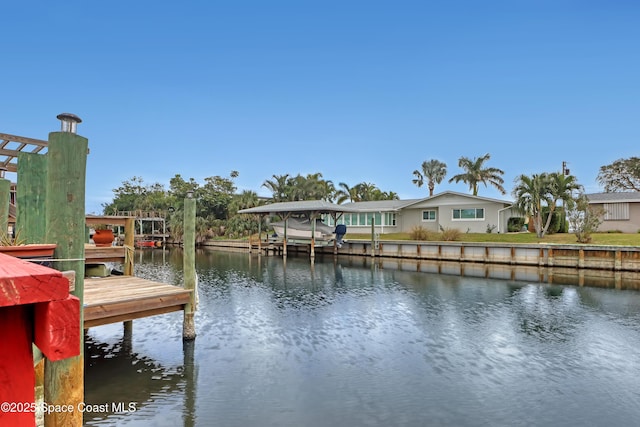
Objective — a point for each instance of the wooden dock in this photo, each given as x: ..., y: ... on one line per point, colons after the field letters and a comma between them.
x: 122, y: 298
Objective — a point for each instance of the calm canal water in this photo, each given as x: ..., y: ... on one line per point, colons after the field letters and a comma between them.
x: 348, y: 343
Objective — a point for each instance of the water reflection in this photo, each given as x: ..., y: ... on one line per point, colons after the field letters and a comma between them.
x: 129, y: 382
x: 355, y: 342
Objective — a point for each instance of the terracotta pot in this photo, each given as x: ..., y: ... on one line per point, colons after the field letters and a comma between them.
x: 103, y: 238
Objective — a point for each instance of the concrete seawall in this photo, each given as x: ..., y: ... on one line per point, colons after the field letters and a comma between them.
x: 615, y: 258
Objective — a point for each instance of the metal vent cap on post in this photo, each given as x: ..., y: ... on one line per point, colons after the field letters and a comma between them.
x: 69, y: 122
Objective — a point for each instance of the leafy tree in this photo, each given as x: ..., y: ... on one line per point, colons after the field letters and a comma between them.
x: 175, y: 223
x: 621, y: 175
x: 305, y: 187
x: 539, y: 195
x: 202, y: 229
x: 214, y: 202
x: 242, y: 225
x: 433, y: 171
x: 239, y: 223
x: 134, y: 194
x: 346, y: 193
x: 215, y: 196
x: 367, y: 191
x: 363, y: 192
x: 475, y: 173
x: 278, y: 187
x: 178, y: 189
x: 531, y: 194
x: 246, y: 199
x: 585, y: 219
x: 390, y: 195
x: 155, y: 198
x: 561, y: 189
x: 323, y: 189
x: 285, y: 188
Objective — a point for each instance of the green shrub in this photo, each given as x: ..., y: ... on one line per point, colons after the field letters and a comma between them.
x: 554, y: 225
x: 515, y: 224
x: 614, y: 231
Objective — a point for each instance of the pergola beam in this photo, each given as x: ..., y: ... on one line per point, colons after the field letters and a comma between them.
x: 25, y: 145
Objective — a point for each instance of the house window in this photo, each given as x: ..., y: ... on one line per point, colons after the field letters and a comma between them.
x: 363, y: 219
x: 616, y: 211
x: 389, y: 218
x: 429, y: 215
x: 466, y: 214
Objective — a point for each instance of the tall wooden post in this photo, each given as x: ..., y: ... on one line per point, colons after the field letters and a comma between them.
x: 312, y: 249
x: 189, y: 266
x: 373, y: 236
x: 334, y: 215
x: 129, y: 242
x: 65, y: 222
x: 284, y: 240
x: 260, y: 236
x: 5, y: 189
x: 30, y: 198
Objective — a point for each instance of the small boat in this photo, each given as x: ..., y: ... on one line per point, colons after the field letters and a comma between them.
x: 301, y: 230
x: 148, y: 244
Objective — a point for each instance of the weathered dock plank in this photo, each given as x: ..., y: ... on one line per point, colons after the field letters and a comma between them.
x: 122, y: 298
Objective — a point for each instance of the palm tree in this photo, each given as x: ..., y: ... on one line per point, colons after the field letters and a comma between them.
x: 391, y: 195
x: 545, y: 189
x: 327, y: 191
x: 531, y: 193
x: 366, y: 191
x: 562, y: 187
x: 246, y: 199
x: 346, y: 193
x: 434, y: 171
x: 279, y: 187
x: 475, y: 174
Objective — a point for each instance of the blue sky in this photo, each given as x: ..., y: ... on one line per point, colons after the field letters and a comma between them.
x: 356, y: 90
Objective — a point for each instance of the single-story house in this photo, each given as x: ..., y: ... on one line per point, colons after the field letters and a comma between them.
x: 621, y: 210
x: 448, y: 209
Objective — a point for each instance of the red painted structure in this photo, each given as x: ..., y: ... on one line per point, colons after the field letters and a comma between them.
x: 35, y: 307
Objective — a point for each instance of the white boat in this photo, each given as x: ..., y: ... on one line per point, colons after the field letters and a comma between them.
x: 301, y: 230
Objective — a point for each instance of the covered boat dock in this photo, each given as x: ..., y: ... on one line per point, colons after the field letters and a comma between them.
x: 311, y: 209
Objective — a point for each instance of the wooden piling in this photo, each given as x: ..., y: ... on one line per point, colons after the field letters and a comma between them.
x: 5, y: 188
x: 30, y: 198
x: 312, y: 249
x: 129, y: 242
x: 284, y: 240
x: 65, y: 226
x: 373, y: 236
x: 189, y: 267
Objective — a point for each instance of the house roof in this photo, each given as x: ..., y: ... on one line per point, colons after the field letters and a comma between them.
x: 396, y: 205
x: 380, y: 205
x: 627, y: 196
x: 321, y: 206
x: 303, y: 206
x: 469, y: 196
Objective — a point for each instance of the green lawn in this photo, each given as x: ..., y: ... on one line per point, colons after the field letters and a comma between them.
x: 563, y: 238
